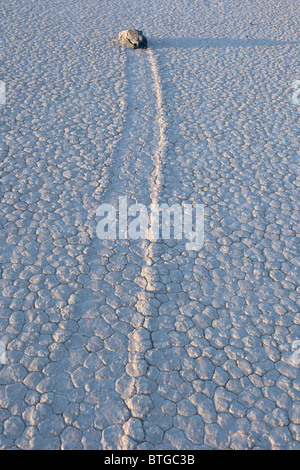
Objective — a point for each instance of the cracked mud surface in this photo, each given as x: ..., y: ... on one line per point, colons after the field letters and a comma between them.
x: 133, y: 344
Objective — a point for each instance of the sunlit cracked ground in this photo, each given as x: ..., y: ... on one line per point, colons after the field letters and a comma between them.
x: 137, y: 344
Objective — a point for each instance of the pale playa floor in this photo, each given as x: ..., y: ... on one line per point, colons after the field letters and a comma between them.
x: 137, y: 345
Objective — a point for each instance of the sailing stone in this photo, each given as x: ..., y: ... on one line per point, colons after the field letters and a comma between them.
x: 133, y: 38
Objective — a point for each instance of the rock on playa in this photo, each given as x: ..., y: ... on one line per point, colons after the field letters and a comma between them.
x: 133, y: 38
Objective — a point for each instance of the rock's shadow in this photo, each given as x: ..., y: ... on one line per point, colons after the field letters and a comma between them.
x: 204, y: 43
